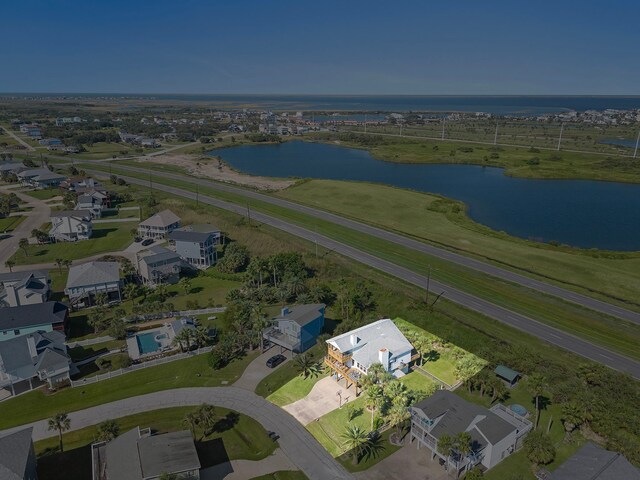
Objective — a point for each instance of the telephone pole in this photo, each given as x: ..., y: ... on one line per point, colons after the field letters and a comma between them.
x: 365, y: 123
x: 635, y: 152
x: 444, y: 120
x: 495, y: 137
x: 197, y: 196
x: 249, y: 213
x: 426, y: 299
x: 560, y: 137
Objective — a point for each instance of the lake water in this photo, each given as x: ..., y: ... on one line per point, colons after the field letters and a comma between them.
x: 582, y: 213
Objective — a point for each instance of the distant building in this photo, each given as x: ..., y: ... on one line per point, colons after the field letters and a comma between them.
x: 88, y: 280
x: 159, y: 225
x: 40, y: 178
x: 50, y: 141
x: 91, y: 203
x: 196, y: 244
x: 25, y: 319
x: 139, y: 455
x: 26, y: 362
x: 593, y: 462
x: 12, y: 167
x: 158, y: 265
x: 24, y: 288
x: 71, y: 225
x: 297, y: 328
x: 17, y: 456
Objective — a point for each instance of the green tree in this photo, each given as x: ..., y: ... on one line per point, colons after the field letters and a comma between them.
x: 474, y: 474
x: 375, y: 397
x: 117, y: 328
x: 537, y: 384
x: 61, y: 423
x: 355, y: 440
x: 572, y: 417
x: 190, y: 421
x: 101, y: 299
x: 538, y: 448
x: 307, y: 366
x: 185, y: 283
x: 10, y: 264
x: 108, y: 430
x: 207, y: 417
x: 24, y: 245
x: 445, y: 446
x: 398, y: 414
x: 130, y: 291
x: 59, y: 263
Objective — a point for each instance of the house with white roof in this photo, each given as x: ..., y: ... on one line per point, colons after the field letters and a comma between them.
x: 159, y: 225
x: 350, y: 355
x: 17, y: 456
x: 71, y: 225
x: 88, y: 280
x: 24, y: 288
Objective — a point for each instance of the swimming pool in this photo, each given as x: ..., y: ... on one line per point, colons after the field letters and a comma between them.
x: 147, y: 342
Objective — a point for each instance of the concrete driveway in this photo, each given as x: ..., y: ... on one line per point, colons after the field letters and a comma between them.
x: 408, y: 462
x: 243, y: 469
x: 257, y: 369
x: 322, y: 399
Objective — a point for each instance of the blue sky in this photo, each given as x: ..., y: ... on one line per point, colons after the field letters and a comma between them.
x: 323, y: 47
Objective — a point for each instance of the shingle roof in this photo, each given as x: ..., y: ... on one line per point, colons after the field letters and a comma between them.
x: 17, y: 358
x: 84, y: 214
x: 159, y: 254
x: 15, y: 449
x: 30, y: 315
x: 21, y: 276
x: 161, y: 219
x: 123, y: 462
x: 93, y: 273
x: 593, y: 462
x: 303, y: 314
x: 189, y: 236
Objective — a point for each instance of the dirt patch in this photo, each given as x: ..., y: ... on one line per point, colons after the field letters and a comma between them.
x: 217, y: 170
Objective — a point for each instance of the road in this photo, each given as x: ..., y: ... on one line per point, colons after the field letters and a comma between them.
x: 19, y: 140
x: 521, y: 322
x: 478, y: 265
x: 40, y: 214
x: 295, y: 441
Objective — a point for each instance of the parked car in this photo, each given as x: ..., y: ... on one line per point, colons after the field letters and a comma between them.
x: 276, y: 360
x: 147, y: 242
x: 137, y: 239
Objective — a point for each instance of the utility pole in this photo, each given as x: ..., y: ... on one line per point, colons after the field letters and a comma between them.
x: 495, y: 137
x: 150, y: 181
x: 400, y: 129
x: 197, y: 196
x: 315, y: 238
x: 444, y: 120
x: 249, y: 213
x: 365, y: 123
x: 560, y: 137
x: 635, y: 152
x: 428, y: 282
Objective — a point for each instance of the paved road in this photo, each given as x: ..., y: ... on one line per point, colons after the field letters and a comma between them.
x: 295, y: 441
x: 458, y: 259
x: 257, y: 369
x: 39, y: 215
x: 521, y: 322
x: 19, y: 140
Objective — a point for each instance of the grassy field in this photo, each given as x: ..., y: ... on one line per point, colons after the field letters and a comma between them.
x: 598, y: 328
x: 80, y: 353
x: 282, y: 475
x: 190, y: 372
x: 234, y: 437
x: 8, y: 224
x: 44, y: 194
x: 295, y: 389
x: 107, y: 237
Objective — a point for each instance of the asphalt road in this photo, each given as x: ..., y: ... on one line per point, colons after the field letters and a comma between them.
x: 521, y: 322
x: 483, y: 267
x: 295, y: 441
x: 18, y: 139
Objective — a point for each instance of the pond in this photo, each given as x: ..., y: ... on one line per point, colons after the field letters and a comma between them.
x: 581, y: 213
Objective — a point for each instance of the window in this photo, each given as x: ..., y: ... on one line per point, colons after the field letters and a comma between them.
x: 16, y: 332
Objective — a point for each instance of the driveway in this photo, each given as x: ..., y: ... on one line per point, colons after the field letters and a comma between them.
x: 322, y: 399
x: 408, y: 462
x: 295, y: 441
x: 243, y: 469
x: 257, y: 369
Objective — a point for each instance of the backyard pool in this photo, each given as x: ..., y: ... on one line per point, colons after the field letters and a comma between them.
x: 147, y: 342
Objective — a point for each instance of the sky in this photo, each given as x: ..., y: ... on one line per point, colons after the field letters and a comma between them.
x: 493, y: 47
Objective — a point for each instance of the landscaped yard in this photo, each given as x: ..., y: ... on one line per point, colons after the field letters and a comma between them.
x: 107, y: 237
x: 234, y: 437
x: 45, y: 194
x: 80, y: 353
x: 190, y: 372
x: 297, y: 388
x: 283, y: 475
x: 8, y: 224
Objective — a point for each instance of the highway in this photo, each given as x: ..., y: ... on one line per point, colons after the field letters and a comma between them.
x: 521, y: 322
x: 480, y: 266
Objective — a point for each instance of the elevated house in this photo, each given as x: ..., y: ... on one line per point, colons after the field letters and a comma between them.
x: 159, y: 226
x: 140, y: 455
x: 158, y: 265
x: 495, y: 434
x: 71, y: 225
x: 40, y: 178
x: 89, y: 280
x: 196, y: 244
x: 350, y: 355
x: 593, y: 462
x: 46, y: 317
x: 24, y: 288
x: 17, y: 456
x: 31, y: 360
x: 91, y: 203
x: 11, y: 167
x: 297, y: 327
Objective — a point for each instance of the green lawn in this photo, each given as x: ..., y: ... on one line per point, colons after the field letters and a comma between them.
x: 190, y: 372
x: 8, y: 224
x: 285, y: 373
x: 234, y: 437
x: 296, y: 389
x: 80, y: 353
x: 46, y: 194
x: 370, y: 459
x: 107, y: 237
x: 283, y: 475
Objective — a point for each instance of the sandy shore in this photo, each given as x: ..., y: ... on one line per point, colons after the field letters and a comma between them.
x: 211, y: 168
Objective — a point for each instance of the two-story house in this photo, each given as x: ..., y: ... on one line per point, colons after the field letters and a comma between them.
x: 196, y: 244
x: 90, y: 203
x: 40, y: 178
x: 495, y: 434
x: 350, y: 355
x: 158, y: 265
x: 45, y: 317
x: 297, y: 327
x: 24, y: 288
x: 17, y: 456
x: 71, y: 225
x: 159, y: 225
x: 88, y: 280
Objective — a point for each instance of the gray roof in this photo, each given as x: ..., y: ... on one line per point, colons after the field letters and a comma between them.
x: 303, y: 314
x: 593, y: 462
x: 85, y: 214
x: 122, y: 459
x: 15, y: 449
x: 30, y: 315
x: 93, y: 273
x: 506, y: 373
x: 49, y: 176
x: 10, y: 166
x: 23, y: 276
x: 50, y: 348
x: 34, y: 172
x: 158, y: 254
x: 161, y: 219
x: 194, y: 233
x: 458, y: 415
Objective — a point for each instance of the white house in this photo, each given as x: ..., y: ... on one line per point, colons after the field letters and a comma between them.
x: 71, y: 225
x: 159, y: 225
x: 88, y: 280
x: 24, y: 288
x: 91, y: 203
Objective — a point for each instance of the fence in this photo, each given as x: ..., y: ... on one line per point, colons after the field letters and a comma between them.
x: 145, y: 317
x: 438, y: 380
x: 90, y: 341
x: 138, y: 366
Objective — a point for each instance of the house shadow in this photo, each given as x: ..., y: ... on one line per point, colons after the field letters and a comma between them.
x: 69, y: 465
x: 102, y: 232
x: 212, y: 453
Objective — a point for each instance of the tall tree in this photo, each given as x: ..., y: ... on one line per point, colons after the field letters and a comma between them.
x: 355, y: 440
x: 24, y: 245
x: 108, y: 430
x: 61, y: 423
x: 185, y: 283
x: 10, y: 264
x: 537, y: 384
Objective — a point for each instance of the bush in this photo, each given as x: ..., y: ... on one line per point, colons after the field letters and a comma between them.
x: 120, y: 360
x: 533, y: 161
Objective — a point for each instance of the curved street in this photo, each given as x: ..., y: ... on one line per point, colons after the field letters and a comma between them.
x: 295, y: 441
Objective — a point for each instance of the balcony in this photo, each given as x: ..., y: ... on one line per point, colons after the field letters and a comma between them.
x: 338, y: 355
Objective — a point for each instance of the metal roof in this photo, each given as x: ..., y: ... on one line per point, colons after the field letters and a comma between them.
x: 161, y: 219
x: 93, y: 273
x: 31, y: 315
x: 302, y: 314
x: 506, y: 373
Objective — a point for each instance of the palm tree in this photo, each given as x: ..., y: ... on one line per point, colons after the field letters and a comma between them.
x: 283, y: 294
x: 24, y: 245
x: 355, y: 440
x: 108, y: 430
x: 537, y: 385
x: 375, y: 395
x: 498, y: 390
x: 162, y: 292
x: 185, y: 283
x: 539, y: 448
x: 307, y: 366
x: 296, y: 285
x: 200, y: 336
x: 207, y: 417
x: 101, y: 298
x: 61, y: 423
x: 444, y: 446
x: 67, y: 263
x: 59, y: 263
x: 462, y: 442
x: 130, y: 290
x: 398, y: 415
x: 10, y: 264
x: 572, y: 418
x: 190, y: 421
x: 397, y: 392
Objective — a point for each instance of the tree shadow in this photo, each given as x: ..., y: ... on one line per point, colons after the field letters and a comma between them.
x: 432, y: 356
x: 195, y: 290
x: 227, y: 422
x: 374, y: 448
